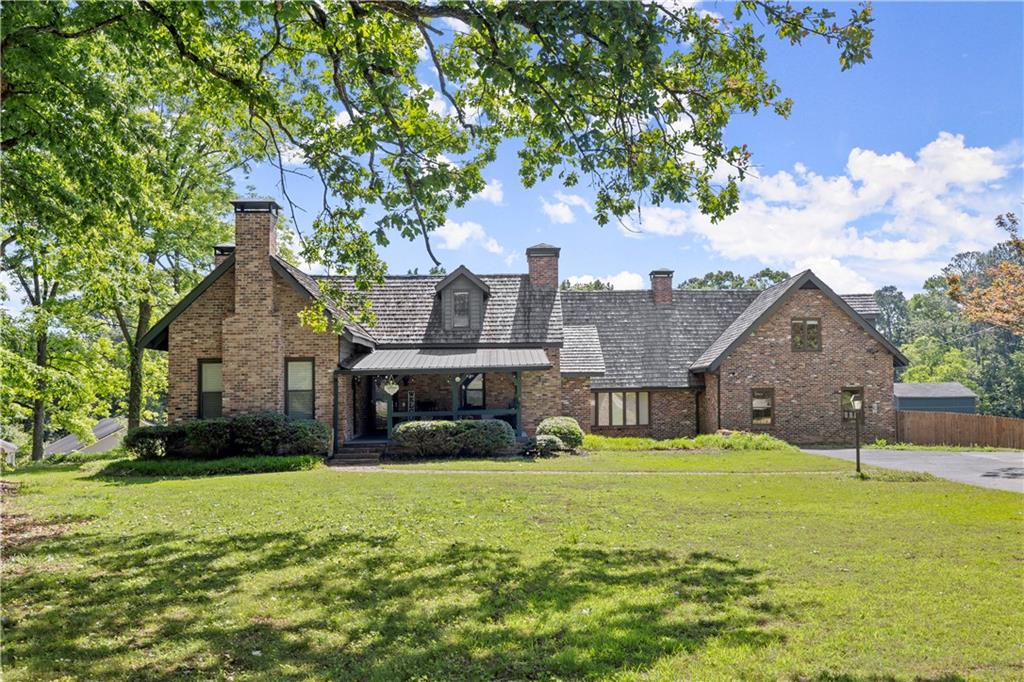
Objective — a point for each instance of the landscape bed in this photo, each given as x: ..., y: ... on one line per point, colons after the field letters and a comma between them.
x: 371, y: 575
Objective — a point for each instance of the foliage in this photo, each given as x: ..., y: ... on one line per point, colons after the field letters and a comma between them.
x: 893, y: 314
x: 735, y: 440
x: 596, y: 285
x: 155, y: 442
x: 468, y: 437
x: 210, y: 467
x: 545, y: 446
x: 883, y: 444
x: 566, y: 428
x: 259, y: 433
x: 208, y: 438
x: 510, y: 576
x: 993, y: 292
x: 727, y: 279
x: 307, y: 437
x: 930, y: 362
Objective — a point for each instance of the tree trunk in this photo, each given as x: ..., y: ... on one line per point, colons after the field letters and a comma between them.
x: 136, y: 354
x: 38, y: 405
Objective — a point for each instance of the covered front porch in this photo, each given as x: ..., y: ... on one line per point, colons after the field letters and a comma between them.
x: 392, y: 386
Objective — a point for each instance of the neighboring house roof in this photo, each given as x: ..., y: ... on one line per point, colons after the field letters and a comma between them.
x: 306, y: 286
x: 419, y: 360
x: 107, y: 432
x: 581, y: 351
x: 766, y: 302
x: 649, y: 345
x: 943, y: 389
x: 408, y: 312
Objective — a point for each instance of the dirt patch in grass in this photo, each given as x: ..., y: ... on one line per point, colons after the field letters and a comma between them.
x: 19, y: 530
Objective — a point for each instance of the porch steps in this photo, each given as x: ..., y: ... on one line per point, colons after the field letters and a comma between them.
x: 357, y: 454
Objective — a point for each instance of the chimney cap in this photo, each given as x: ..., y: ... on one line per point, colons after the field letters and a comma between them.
x: 224, y: 249
x: 662, y: 272
x: 543, y: 249
x: 251, y: 204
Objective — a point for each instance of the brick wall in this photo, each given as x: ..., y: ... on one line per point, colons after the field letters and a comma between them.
x: 808, y: 385
x: 542, y: 393
x: 672, y: 412
x: 709, y: 404
x: 542, y: 263
x: 578, y: 401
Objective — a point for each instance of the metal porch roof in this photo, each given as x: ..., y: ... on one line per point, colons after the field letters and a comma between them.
x: 428, y: 360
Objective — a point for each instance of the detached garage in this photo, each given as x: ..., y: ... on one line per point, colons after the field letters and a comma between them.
x: 950, y: 396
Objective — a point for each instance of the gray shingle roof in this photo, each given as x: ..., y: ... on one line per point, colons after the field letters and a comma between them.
x: 408, y: 312
x: 311, y: 287
x: 581, y: 351
x: 943, y: 389
x: 411, y: 360
x: 645, y: 345
x: 864, y: 304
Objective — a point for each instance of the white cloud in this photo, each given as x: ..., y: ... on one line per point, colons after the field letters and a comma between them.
x: 456, y: 25
x: 561, y: 210
x: 455, y: 235
x: 884, y: 213
x: 621, y: 281
x: 491, y: 192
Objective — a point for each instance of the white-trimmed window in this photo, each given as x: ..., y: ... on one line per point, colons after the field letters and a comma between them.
x: 621, y: 408
x: 298, y: 377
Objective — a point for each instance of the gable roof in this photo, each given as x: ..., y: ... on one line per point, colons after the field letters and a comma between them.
x: 309, y: 288
x: 156, y: 337
x: 409, y: 312
x: 939, y: 389
x: 648, y: 345
x: 864, y: 304
x: 766, y: 303
x: 463, y: 271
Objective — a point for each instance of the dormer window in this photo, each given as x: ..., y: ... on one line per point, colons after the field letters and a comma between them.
x: 460, y: 316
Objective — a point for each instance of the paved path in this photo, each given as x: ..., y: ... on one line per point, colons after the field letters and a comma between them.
x: 1002, y: 470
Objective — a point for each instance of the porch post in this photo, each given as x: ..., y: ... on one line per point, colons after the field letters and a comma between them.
x: 455, y: 394
x: 518, y: 379
x: 391, y: 408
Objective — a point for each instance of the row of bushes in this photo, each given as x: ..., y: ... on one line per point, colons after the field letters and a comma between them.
x: 464, y: 438
x: 247, y: 435
x: 214, y: 467
x: 733, y: 440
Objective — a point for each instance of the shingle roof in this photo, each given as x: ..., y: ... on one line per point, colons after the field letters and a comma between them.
x: 581, y: 351
x: 412, y: 360
x: 408, y: 312
x: 311, y: 287
x: 764, y: 304
x: 943, y: 389
x: 864, y: 304
x: 71, y: 442
x: 648, y: 345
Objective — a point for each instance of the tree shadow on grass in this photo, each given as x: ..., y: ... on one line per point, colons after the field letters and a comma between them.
x: 356, y: 606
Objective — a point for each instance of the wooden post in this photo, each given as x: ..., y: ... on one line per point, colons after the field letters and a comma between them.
x: 454, y: 381
x: 391, y: 409
x: 517, y: 377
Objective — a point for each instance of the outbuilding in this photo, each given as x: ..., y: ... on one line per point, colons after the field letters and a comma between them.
x: 946, y: 396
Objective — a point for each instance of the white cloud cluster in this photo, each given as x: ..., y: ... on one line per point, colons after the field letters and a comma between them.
x: 455, y: 235
x: 561, y: 211
x: 492, y: 192
x: 621, y: 281
x: 886, y: 213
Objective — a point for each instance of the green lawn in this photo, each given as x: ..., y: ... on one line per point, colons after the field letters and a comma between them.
x: 344, y: 575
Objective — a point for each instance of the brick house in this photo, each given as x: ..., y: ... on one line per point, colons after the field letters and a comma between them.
x: 661, y: 362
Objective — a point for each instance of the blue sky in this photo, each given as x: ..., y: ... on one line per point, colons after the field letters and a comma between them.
x: 881, y: 174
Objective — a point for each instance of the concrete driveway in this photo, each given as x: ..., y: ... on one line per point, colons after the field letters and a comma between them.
x: 1002, y: 470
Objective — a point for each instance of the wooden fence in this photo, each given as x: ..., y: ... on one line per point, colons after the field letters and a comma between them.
x: 954, y: 428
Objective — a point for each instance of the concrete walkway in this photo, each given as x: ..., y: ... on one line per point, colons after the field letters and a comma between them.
x: 1001, y: 470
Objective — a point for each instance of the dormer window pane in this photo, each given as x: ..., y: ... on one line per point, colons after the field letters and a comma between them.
x: 461, y: 312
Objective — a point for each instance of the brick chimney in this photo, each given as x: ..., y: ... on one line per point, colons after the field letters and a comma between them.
x: 255, y: 242
x: 661, y: 285
x: 542, y: 260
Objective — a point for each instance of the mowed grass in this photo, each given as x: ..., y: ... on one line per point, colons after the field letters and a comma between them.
x: 380, y: 576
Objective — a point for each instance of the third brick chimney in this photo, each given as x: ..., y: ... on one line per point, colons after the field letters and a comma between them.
x: 661, y: 285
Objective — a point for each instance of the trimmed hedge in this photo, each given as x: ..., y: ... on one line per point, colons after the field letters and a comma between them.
x: 733, y: 440
x: 209, y: 467
x: 248, y: 435
x: 468, y: 437
x: 545, y: 446
x: 566, y: 429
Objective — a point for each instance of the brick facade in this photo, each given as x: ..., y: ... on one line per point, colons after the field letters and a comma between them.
x: 709, y: 404
x: 542, y: 393
x: 808, y: 384
x: 542, y: 263
x: 671, y: 412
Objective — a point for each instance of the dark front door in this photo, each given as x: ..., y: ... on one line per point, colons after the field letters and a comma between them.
x: 378, y: 404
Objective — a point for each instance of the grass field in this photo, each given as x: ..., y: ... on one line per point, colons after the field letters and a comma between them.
x: 497, y: 575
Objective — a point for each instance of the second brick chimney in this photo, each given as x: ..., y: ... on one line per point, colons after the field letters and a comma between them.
x: 542, y: 260
x: 661, y: 285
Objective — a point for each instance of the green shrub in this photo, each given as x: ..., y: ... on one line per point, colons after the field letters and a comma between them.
x: 566, y: 428
x: 259, y: 433
x: 734, y: 440
x: 152, y: 442
x: 307, y: 437
x: 483, y: 437
x: 84, y: 457
x: 441, y: 438
x: 209, y: 467
x: 545, y: 446
x: 208, y: 438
